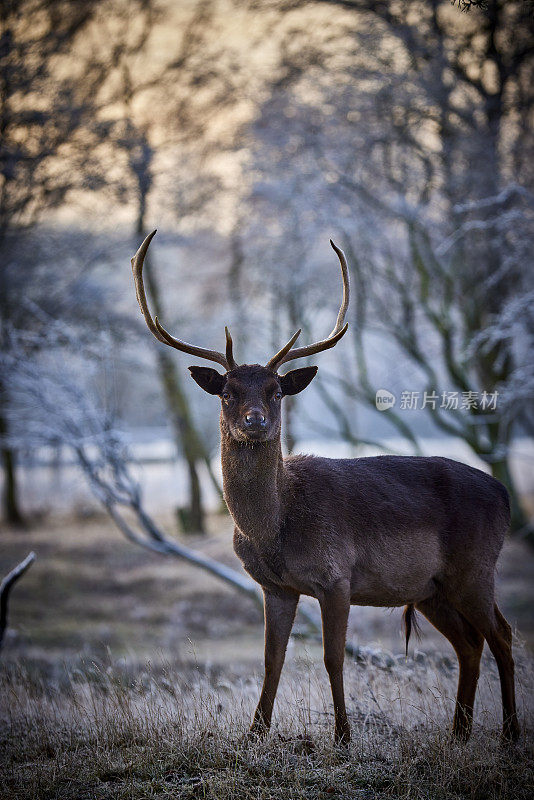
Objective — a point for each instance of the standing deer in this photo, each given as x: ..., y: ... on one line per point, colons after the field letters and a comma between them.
x: 384, y: 531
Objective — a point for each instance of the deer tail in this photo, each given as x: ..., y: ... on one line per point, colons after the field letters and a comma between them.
x: 410, y: 623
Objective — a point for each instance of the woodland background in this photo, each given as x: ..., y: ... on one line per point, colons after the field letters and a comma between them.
x: 248, y: 133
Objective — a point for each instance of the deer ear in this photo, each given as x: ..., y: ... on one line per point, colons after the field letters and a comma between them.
x: 295, y: 381
x: 208, y: 379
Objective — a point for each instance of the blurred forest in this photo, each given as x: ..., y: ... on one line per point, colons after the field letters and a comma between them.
x: 402, y: 130
x: 249, y: 133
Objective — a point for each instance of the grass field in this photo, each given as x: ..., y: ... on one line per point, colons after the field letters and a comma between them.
x: 129, y: 675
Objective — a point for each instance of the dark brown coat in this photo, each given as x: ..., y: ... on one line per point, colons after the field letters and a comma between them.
x: 386, y: 531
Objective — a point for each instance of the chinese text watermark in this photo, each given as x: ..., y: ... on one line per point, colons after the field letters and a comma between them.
x: 449, y: 401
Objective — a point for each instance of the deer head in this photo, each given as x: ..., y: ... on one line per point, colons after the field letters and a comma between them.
x: 250, y: 395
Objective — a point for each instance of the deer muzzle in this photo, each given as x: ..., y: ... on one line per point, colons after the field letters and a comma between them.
x: 254, y: 421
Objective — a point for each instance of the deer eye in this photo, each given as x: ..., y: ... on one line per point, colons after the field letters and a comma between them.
x: 226, y: 396
x: 278, y: 395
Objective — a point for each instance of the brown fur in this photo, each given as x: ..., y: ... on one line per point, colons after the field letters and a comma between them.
x: 388, y: 531
x: 384, y: 531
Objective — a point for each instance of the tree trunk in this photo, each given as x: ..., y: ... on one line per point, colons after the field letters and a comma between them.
x: 520, y: 524
x: 289, y: 439
x: 10, y: 503
x: 187, y: 441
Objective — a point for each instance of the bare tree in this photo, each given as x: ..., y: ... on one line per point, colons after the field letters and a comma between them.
x: 51, y: 73
x: 85, y: 61
x: 424, y: 150
x: 149, y: 143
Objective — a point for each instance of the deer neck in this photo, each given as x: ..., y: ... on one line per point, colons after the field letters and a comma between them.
x: 253, y: 482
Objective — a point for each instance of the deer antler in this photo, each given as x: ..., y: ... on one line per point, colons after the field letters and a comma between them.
x: 287, y: 354
x: 154, y: 325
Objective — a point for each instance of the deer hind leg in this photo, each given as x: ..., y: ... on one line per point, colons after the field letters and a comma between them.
x: 501, y: 647
x: 335, y: 607
x: 487, y: 618
x: 468, y: 644
x: 279, y: 616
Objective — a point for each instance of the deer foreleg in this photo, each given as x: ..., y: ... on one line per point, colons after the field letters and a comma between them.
x: 279, y: 616
x: 335, y: 607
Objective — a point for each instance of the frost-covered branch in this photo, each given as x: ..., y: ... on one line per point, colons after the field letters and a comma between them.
x: 5, y: 588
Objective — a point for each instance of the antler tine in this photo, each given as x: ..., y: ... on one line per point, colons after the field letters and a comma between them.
x: 345, y: 275
x: 276, y: 360
x: 229, y: 350
x: 155, y: 326
x: 286, y: 354
x: 137, y: 268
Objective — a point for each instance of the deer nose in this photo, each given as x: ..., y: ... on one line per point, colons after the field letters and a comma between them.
x: 255, y: 419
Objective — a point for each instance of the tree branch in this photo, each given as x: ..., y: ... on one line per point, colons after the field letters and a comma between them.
x: 6, y: 586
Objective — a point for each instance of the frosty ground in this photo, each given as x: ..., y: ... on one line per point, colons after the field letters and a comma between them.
x: 130, y: 675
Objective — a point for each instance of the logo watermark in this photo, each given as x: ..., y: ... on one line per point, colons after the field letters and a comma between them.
x: 384, y: 399
x: 449, y: 401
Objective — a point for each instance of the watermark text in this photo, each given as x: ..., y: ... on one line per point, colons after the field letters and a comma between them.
x: 448, y: 400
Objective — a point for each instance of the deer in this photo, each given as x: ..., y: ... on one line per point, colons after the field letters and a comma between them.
x: 421, y: 532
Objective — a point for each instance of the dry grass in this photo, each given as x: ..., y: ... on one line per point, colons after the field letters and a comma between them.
x: 83, y: 716
x: 107, y: 730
